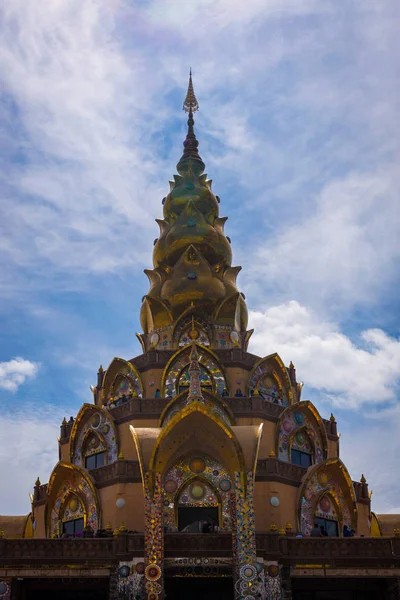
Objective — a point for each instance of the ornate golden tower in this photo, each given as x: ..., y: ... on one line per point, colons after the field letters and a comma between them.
x: 192, y: 258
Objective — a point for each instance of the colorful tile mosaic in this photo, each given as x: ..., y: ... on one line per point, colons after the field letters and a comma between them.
x: 323, y: 481
x: 97, y: 427
x: 298, y: 431
x: 212, y: 377
x: 213, y: 482
x: 244, y: 539
x: 77, y: 490
x: 131, y: 579
x: 154, y: 536
x: 182, y: 333
x: 182, y: 403
x: 126, y: 383
x: 266, y: 382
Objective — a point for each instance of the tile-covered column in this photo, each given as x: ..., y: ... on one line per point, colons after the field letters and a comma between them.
x: 154, y: 540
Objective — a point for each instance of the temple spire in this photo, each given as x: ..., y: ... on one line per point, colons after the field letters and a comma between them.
x: 190, y: 162
x: 190, y: 103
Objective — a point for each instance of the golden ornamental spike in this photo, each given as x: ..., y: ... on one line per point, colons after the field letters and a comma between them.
x: 190, y: 104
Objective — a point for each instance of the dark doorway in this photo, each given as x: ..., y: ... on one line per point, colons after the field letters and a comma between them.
x: 62, y: 589
x: 192, y: 517
x: 199, y: 588
x: 331, y: 527
x: 351, y: 588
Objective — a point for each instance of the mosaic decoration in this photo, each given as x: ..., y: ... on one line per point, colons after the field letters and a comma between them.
x: 211, y: 377
x: 272, y: 582
x: 183, y: 331
x: 265, y: 381
x: 225, y: 338
x: 5, y: 589
x: 215, y: 408
x: 320, y: 482
x: 206, y: 380
x: 212, y: 489
x: 131, y: 579
x: 126, y: 383
x: 96, y: 435
x: 299, y: 432
x: 244, y: 539
x: 74, y: 500
x: 153, y: 536
x: 198, y: 567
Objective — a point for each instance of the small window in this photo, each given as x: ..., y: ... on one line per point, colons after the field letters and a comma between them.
x: 304, y: 459
x: 94, y: 460
x: 331, y: 527
x: 73, y: 527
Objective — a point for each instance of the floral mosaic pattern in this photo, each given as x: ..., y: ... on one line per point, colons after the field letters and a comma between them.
x: 266, y: 383
x: 299, y: 432
x: 322, y: 481
x: 213, y: 478
x: 131, y: 578
x: 153, y: 537
x: 126, y: 383
x: 99, y: 426
x: 244, y: 538
x: 182, y: 331
x: 207, y: 363
x: 74, y: 487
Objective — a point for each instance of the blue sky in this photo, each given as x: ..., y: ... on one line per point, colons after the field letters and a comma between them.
x: 299, y: 129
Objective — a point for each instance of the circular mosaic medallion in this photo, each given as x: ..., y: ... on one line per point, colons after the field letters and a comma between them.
x: 299, y: 418
x: 286, y: 426
x: 140, y: 568
x: 3, y: 588
x: 152, y: 596
x: 105, y: 429
x: 184, y: 499
x: 153, y: 572
x: 197, y: 465
x: 300, y: 438
x: 95, y: 422
x: 225, y: 485
x: 323, y: 477
x: 124, y: 571
x: 215, y: 472
x: 166, y: 503
x: 197, y: 491
x: 170, y: 486
x: 248, y: 572
x: 273, y: 570
x: 73, y: 505
x: 95, y: 442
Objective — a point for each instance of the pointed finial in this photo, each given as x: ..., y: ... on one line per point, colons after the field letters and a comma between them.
x: 193, y: 333
x: 363, y: 480
x: 121, y: 455
x: 332, y: 418
x: 282, y: 531
x: 122, y: 527
x: 64, y: 421
x: 273, y: 527
x: 101, y: 369
x: 37, y: 482
x: 190, y: 103
x: 109, y: 526
x: 116, y: 531
x: 271, y: 453
x: 289, y: 526
x: 291, y: 366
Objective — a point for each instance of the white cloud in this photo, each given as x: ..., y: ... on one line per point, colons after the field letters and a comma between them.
x: 28, y: 450
x: 344, y: 251
x: 345, y: 374
x: 15, y: 372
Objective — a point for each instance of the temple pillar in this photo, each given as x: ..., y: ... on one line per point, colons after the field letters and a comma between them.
x: 245, y: 571
x: 153, y: 538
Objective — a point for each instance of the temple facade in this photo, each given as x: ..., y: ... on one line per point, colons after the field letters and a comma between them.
x: 197, y: 467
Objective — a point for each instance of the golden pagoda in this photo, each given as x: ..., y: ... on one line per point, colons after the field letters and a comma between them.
x: 197, y: 468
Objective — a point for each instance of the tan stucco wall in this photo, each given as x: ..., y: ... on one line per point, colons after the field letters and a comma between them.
x: 266, y: 513
x: 362, y: 520
x: 333, y: 449
x: 40, y: 531
x: 132, y: 514
x: 148, y: 376
x: 234, y: 374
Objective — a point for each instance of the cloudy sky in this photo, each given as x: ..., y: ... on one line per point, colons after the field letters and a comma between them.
x: 299, y: 129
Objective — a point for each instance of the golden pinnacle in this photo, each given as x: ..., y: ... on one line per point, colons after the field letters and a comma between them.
x: 271, y: 453
x: 282, y: 531
x: 331, y: 418
x: 122, y: 527
x: 363, y: 480
x: 273, y: 527
x: 289, y: 526
x: 121, y: 455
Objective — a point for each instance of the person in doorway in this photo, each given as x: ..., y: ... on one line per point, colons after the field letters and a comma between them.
x: 315, y: 532
x: 157, y: 393
x: 65, y: 534
x: 239, y: 393
x: 324, y: 532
